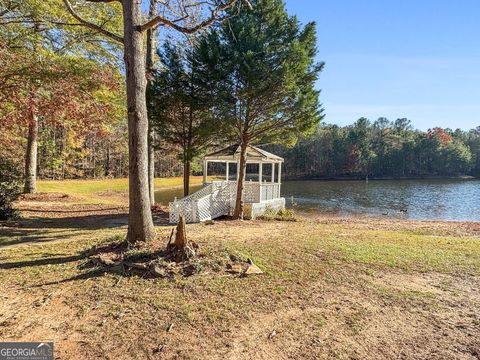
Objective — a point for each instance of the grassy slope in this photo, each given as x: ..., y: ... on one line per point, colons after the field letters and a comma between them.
x: 332, y: 289
x: 87, y: 191
x: 79, y: 187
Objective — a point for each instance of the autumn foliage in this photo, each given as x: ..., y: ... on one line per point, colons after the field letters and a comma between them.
x: 438, y: 133
x: 67, y: 93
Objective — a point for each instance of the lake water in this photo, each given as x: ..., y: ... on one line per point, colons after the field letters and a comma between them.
x: 405, y: 199
x: 166, y: 195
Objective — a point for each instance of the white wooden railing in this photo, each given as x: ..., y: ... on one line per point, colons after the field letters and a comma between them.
x: 218, y: 198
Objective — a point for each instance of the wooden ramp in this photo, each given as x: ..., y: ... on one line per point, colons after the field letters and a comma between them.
x: 211, y: 202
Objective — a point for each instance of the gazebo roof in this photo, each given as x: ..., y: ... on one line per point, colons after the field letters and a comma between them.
x: 233, y: 153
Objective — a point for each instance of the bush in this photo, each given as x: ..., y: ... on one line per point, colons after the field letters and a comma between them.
x: 10, y: 189
x: 279, y: 215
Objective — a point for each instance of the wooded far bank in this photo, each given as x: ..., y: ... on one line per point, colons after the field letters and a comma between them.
x: 379, y: 149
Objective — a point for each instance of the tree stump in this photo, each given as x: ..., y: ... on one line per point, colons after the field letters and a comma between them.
x: 181, y: 235
x: 181, y: 248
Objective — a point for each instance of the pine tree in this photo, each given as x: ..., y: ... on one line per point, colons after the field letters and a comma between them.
x: 180, y: 105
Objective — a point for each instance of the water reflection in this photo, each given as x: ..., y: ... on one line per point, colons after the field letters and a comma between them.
x: 411, y: 199
x: 164, y: 196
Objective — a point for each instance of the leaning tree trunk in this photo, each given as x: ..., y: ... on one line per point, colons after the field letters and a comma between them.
x: 31, y: 155
x: 186, y: 178
x: 149, y: 68
x: 239, y: 203
x: 140, y: 224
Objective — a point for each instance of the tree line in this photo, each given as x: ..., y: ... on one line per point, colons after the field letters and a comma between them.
x: 383, y: 148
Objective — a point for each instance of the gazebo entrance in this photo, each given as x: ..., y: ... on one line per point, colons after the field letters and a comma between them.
x: 261, y: 187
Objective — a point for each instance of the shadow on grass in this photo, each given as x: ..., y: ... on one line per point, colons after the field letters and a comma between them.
x: 35, y: 236
x: 57, y: 260
x: 36, y: 230
x: 72, y: 211
x: 43, y: 230
x: 92, y: 268
x: 41, y: 262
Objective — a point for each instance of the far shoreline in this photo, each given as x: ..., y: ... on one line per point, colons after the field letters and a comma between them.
x: 357, y: 178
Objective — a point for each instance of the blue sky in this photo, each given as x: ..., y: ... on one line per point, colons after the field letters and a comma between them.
x: 404, y: 58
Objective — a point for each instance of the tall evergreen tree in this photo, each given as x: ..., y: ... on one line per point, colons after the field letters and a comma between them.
x: 264, y: 61
x: 180, y: 105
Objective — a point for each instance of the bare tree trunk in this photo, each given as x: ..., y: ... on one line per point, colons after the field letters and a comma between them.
x: 239, y: 203
x: 107, y: 162
x: 151, y: 33
x: 151, y: 166
x: 140, y: 224
x: 186, y: 177
x: 31, y: 155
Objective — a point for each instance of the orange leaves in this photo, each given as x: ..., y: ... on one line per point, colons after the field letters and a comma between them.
x: 440, y: 134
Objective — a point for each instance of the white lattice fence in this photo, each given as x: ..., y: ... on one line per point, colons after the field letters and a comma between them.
x: 186, y: 208
x: 221, y: 200
x: 251, y: 192
x: 259, y: 208
x: 203, y: 209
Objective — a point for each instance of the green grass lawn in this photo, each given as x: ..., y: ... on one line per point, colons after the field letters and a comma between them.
x: 86, y: 187
x: 93, y: 191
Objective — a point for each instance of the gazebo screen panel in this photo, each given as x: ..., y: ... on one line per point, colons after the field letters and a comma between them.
x: 252, y: 172
x: 267, y: 172
x: 232, y: 172
x: 217, y: 170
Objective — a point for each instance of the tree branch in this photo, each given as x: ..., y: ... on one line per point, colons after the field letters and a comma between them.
x: 91, y: 25
x: 157, y: 20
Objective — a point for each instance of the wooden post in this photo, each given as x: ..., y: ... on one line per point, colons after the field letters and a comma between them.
x: 260, y: 175
x: 279, y: 178
x: 205, y: 171
x: 227, y: 175
x: 273, y: 172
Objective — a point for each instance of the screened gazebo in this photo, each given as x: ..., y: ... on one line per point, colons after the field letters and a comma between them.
x: 220, y: 176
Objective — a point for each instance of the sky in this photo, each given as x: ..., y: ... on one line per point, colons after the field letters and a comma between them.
x: 404, y: 58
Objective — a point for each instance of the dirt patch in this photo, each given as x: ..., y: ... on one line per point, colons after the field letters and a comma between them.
x: 337, y: 317
x: 347, y: 319
x: 433, y: 228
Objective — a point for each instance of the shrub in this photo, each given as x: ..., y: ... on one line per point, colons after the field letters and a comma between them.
x: 9, y: 189
x: 279, y: 215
